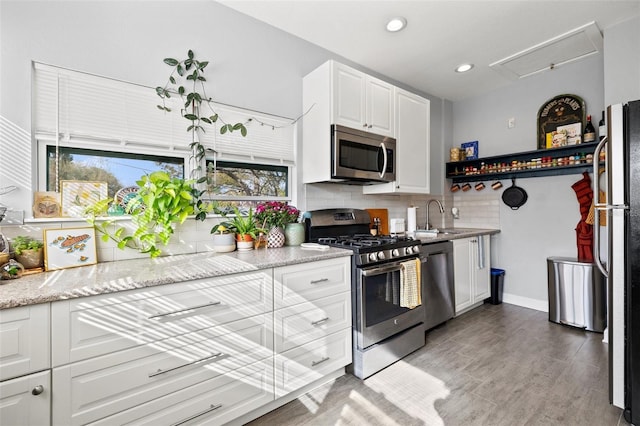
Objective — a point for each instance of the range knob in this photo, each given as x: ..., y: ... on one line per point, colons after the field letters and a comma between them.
x: 381, y: 255
x: 373, y: 257
x: 416, y: 249
x: 395, y: 253
x: 409, y: 250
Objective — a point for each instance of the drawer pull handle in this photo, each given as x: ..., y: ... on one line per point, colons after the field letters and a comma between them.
x: 160, y: 371
x: 201, y: 413
x: 320, y: 321
x: 37, y: 390
x: 321, y: 280
x: 179, y: 311
x: 314, y: 363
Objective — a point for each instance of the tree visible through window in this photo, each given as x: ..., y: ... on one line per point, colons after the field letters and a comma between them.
x: 242, y: 180
x: 118, y: 169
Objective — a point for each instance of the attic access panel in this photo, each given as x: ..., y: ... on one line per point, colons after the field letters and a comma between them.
x: 571, y: 46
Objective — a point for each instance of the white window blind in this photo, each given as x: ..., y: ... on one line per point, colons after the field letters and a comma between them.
x: 107, y: 112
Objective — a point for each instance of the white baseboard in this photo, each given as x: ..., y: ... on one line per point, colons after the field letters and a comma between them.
x: 526, y: 302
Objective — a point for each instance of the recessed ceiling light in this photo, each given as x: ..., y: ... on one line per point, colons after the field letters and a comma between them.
x: 464, y: 67
x: 396, y: 24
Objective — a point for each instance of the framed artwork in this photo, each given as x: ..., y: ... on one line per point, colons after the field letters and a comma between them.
x: 558, y: 121
x: 77, y: 195
x: 46, y: 204
x: 69, y: 247
x: 470, y: 149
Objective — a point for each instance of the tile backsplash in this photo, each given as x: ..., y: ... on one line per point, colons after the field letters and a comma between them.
x: 478, y: 211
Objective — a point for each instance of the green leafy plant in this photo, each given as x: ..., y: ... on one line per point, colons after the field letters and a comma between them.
x: 240, y: 224
x: 161, y: 203
x: 187, y: 80
x: 21, y: 243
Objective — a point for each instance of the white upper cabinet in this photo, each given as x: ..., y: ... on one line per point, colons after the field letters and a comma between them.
x: 361, y: 101
x: 412, y: 147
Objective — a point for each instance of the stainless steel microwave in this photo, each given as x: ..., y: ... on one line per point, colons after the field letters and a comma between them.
x: 362, y: 156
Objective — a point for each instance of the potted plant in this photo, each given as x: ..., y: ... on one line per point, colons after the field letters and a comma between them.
x: 224, y: 240
x: 245, y: 228
x: 29, y: 251
x: 160, y: 204
x: 275, y: 215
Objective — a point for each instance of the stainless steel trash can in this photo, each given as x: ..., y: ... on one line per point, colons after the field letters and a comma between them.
x: 577, y: 294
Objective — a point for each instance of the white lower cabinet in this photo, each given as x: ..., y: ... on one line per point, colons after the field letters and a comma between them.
x: 472, y: 272
x: 24, y: 340
x: 305, y: 364
x: 312, y: 322
x: 26, y: 400
x: 201, y: 352
x: 212, y: 402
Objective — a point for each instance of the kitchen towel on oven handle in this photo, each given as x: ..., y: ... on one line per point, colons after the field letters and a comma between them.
x: 410, y: 283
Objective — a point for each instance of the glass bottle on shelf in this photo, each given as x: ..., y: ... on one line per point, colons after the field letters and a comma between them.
x: 589, y: 134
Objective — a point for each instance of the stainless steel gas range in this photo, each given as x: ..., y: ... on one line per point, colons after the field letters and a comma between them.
x: 384, y: 330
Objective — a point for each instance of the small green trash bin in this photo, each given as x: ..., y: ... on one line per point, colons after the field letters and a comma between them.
x: 497, y: 286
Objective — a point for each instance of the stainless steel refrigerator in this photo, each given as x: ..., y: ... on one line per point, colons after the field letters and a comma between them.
x: 622, y: 267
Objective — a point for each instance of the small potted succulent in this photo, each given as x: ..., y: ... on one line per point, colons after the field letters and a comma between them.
x: 29, y: 251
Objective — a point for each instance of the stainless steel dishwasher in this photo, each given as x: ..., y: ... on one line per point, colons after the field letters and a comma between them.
x: 437, y: 283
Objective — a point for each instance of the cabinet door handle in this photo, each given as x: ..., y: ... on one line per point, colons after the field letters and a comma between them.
x: 180, y: 311
x: 481, y: 252
x: 314, y: 363
x: 364, y: 125
x: 320, y: 321
x: 160, y: 371
x: 37, y: 390
x: 321, y: 280
x: 195, y: 416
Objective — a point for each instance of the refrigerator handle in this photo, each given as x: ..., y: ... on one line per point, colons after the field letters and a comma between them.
x: 598, y: 207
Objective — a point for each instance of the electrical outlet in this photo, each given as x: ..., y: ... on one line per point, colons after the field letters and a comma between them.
x: 511, y: 123
x: 13, y: 217
x: 455, y: 213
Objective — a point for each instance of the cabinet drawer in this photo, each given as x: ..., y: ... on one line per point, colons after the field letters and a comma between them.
x: 95, y: 326
x: 213, y: 402
x: 19, y: 405
x: 309, y: 281
x: 90, y: 390
x: 304, y: 322
x: 304, y: 364
x: 24, y: 340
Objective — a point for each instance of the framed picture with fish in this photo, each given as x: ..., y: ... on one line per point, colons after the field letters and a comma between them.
x: 69, y: 247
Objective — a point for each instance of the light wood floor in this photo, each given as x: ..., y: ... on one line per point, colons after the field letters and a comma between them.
x: 496, y: 365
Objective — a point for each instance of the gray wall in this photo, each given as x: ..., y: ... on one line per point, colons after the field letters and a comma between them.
x: 622, y: 62
x: 545, y: 225
x: 252, y: 65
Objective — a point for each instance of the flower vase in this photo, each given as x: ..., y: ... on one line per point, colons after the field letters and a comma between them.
x: 275, y: 237
x: 294, y: 234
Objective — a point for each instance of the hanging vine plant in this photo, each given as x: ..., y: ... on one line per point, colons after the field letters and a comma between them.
x: 187, y: 80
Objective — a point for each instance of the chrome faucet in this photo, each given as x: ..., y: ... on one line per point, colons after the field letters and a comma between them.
x: 427, y: 225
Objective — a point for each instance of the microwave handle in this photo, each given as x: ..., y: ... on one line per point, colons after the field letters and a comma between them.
x: 384, y: 156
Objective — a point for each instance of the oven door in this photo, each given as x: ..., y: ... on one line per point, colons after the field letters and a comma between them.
x: 378, y: 312
x: 362, y: 156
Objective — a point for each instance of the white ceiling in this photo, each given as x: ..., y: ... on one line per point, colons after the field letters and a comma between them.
x: 439, y: 36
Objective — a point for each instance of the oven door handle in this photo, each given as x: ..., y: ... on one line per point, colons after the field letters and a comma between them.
x: 381, y: 270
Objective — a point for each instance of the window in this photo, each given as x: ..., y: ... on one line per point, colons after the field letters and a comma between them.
x: 247, y: 181
x: 96, y: 128
x: 118, y: 169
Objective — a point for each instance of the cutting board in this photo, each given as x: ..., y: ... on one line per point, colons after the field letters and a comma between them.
x: 383, y: 214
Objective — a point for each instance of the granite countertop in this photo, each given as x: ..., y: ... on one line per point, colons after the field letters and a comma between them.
x: 109, y: 277
x: 457, y: 234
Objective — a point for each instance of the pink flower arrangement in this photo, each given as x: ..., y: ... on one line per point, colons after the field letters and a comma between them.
x: 275, y: 213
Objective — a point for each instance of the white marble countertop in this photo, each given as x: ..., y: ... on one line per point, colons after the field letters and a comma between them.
x: 109, y: 277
